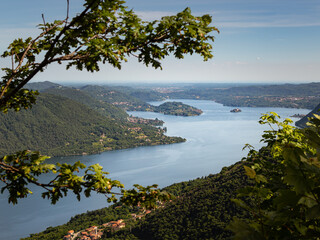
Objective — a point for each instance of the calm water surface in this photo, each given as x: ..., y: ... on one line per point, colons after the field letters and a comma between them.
x: 214, y: 140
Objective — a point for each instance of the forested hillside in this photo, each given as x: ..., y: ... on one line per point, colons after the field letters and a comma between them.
x: 117, y: 98
x: 134, y: 100
x: 202, y: 210
x: 59, y: 126
x: 144, y: 94
x: 80, y: 96
x: 102, y: 107
x: 41, y: 86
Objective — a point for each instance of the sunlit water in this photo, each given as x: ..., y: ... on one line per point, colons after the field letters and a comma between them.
x: 214, y: 140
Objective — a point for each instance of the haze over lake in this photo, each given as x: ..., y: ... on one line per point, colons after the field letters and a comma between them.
x: 214, y: 139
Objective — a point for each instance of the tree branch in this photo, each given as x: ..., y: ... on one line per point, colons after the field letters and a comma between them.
x: 11, y: 94
x: 46, y: 186
x: 5, y: 99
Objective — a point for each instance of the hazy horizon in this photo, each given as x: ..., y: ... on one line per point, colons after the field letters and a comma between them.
x: 161, y: 83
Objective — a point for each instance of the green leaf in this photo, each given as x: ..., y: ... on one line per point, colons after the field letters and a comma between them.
x: 308, y: 201
x: 250, y: 172
x: 260, y: 178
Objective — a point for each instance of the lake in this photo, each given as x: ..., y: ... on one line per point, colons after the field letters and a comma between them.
x: 214, y: 139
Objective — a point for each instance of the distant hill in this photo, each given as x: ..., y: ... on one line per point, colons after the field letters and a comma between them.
x: 302, y: 122
x: 305, y: 95
x: 305, y: 89
x: 41, y: 86
x: 80, y: 96
x: 122, y: 97
x: 145, y: 95
x: 59, y: 126
x: 115, y: 97
x: 283, y: 95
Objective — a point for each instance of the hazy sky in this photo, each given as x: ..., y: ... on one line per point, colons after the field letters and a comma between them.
x: 260, y: 41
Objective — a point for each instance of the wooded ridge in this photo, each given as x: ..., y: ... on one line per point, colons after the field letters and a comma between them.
x: 59, y: 126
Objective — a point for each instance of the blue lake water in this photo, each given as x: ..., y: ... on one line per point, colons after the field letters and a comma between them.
x: 214, y: 139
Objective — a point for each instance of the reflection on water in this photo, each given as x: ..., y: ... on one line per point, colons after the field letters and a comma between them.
x: 214, y: 139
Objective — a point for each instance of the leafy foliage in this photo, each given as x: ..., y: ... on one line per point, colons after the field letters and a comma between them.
x: 104, y: 32
x: 285, y: 198
x: 24, y: 167
x: 20, y: 169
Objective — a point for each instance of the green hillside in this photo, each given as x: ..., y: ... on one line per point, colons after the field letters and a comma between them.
x: 117, y: 98
x: 121, y: 97
x: 80, y: 96
x: 41, y: 86
x: 202, y: 211
x: 77, y: 95
x: 59, y: 126
x: 146, y: 95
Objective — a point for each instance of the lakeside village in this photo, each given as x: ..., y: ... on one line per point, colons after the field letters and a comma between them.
x: 153, y: 122
x: 96, y: 232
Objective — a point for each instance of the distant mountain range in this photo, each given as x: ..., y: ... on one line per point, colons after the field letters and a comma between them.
x: 282, y: 95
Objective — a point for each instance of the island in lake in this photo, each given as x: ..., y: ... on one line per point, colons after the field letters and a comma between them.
x: 177, y: 109
x: 236, y: 110
x: 298, y: 115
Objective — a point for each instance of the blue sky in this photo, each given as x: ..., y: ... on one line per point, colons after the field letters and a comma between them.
x: 270, y: 41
